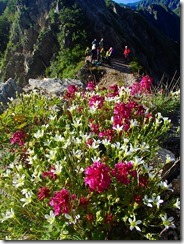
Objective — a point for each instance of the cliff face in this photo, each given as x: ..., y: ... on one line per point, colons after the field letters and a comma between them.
x: 35, y: 37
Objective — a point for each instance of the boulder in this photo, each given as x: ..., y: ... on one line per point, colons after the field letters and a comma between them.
x: 8, y: 89
x: 52, y: 86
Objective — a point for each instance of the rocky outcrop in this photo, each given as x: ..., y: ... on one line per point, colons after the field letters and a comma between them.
x: 8, y: 90
x: 52, y: 86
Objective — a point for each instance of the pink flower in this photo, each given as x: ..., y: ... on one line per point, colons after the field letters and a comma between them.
x: 83, y: 201
x: 91, y: 86
x: 70, y: 93
x: 43, y: 192
x: 96, y: 101
x: 71, y: 89
x: 144, y: 86
x: 108, y: 218
x: 114, y: 91
x: 123, y: 172
x: 50, y: 173
x: 18, y: 137
x: 143, y: 181
x: 137, y: 199
x: 109, y: 133
x: 94, y: 128
x: 61, y: 202
x: 97, y: 176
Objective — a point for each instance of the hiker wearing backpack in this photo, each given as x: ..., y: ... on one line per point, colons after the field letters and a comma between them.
x: 108, y: 55
x: 126, y: 53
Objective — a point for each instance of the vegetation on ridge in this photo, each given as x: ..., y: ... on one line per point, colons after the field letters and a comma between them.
x: 85, y: 166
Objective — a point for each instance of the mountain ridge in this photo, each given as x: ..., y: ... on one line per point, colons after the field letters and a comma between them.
x: 41, y: 37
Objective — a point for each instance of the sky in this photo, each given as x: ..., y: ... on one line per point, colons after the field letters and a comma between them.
x: 126, y: 1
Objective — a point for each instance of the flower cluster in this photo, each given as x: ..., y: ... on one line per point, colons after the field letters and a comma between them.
x: 144, y: 86
x: 18, y: 137
x: 97, y: 176
x: 88, y: 169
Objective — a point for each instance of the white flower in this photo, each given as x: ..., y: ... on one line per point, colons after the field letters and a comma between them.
x: 7, y: 173
x: 156, y: 200
x: 58, y: 168
x: 133, y: 123
x: 95, y: 144
x: 24, y: 191
x: 93, y: 110
x: 106, y: 142
x: 77, y: 153
x: 126, y: 141
x: 144, y: 147
x: 39, y: 134
x: 147, y: 201
x: 51, y: 117
x: 164, y: 185
x: 50, y: 217
x: 67, y: 144
x: 71, y: 219
x: 52, y: 154
x: 8, y: 215
x: 169, y: 159
x: 32, y: 159
x: 77, y: 123
x: 79, y: 169
x: 36, y: 177
x: 77, y: 140
x: 118, y: 128
x: 137, y: 161
x: 177, y: 204
x: 27, y: 198
x: 59, y: 138
x: 72, y: 108
x: 116, y: 145
x: 30, y: 151
x: 95, y: 159
x: 129, y: 150
x: 19, y: 167
x: 167, y: 222
x: 85, y: 137
x: 47, y: 142
x: 18, y: 180
x: 124, y: 91
x: 134, y: 223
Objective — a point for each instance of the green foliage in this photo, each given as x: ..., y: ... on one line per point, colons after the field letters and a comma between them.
x: 4, y: 32
x: 165, y: 103
x: 66, y: 62
x: 72, y: 41
x: 108, y: 2
x: 136, y: 67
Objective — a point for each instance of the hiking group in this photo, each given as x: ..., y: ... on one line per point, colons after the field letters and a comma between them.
x: 98, y: 55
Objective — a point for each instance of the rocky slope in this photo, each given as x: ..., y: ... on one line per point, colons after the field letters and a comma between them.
x: 35, y: 44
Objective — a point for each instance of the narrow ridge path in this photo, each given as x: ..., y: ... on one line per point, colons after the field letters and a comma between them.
x: 117, y: 73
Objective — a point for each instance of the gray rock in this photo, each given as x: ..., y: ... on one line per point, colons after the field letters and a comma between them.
x: 53, y: 86
x: 8, y: 89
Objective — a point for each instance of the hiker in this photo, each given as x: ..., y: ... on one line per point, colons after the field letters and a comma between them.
x: 93, y: 54
x: 108, y: 55
x: 87, y: 51
x: 94, y: 43
x: 126, y: 53
x: 98, y: 55
x: 101, y: 43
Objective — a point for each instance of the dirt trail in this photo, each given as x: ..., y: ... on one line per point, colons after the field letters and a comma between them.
x: 118, y: 73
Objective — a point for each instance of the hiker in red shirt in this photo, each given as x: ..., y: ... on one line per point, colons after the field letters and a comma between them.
x: 126, y: 52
